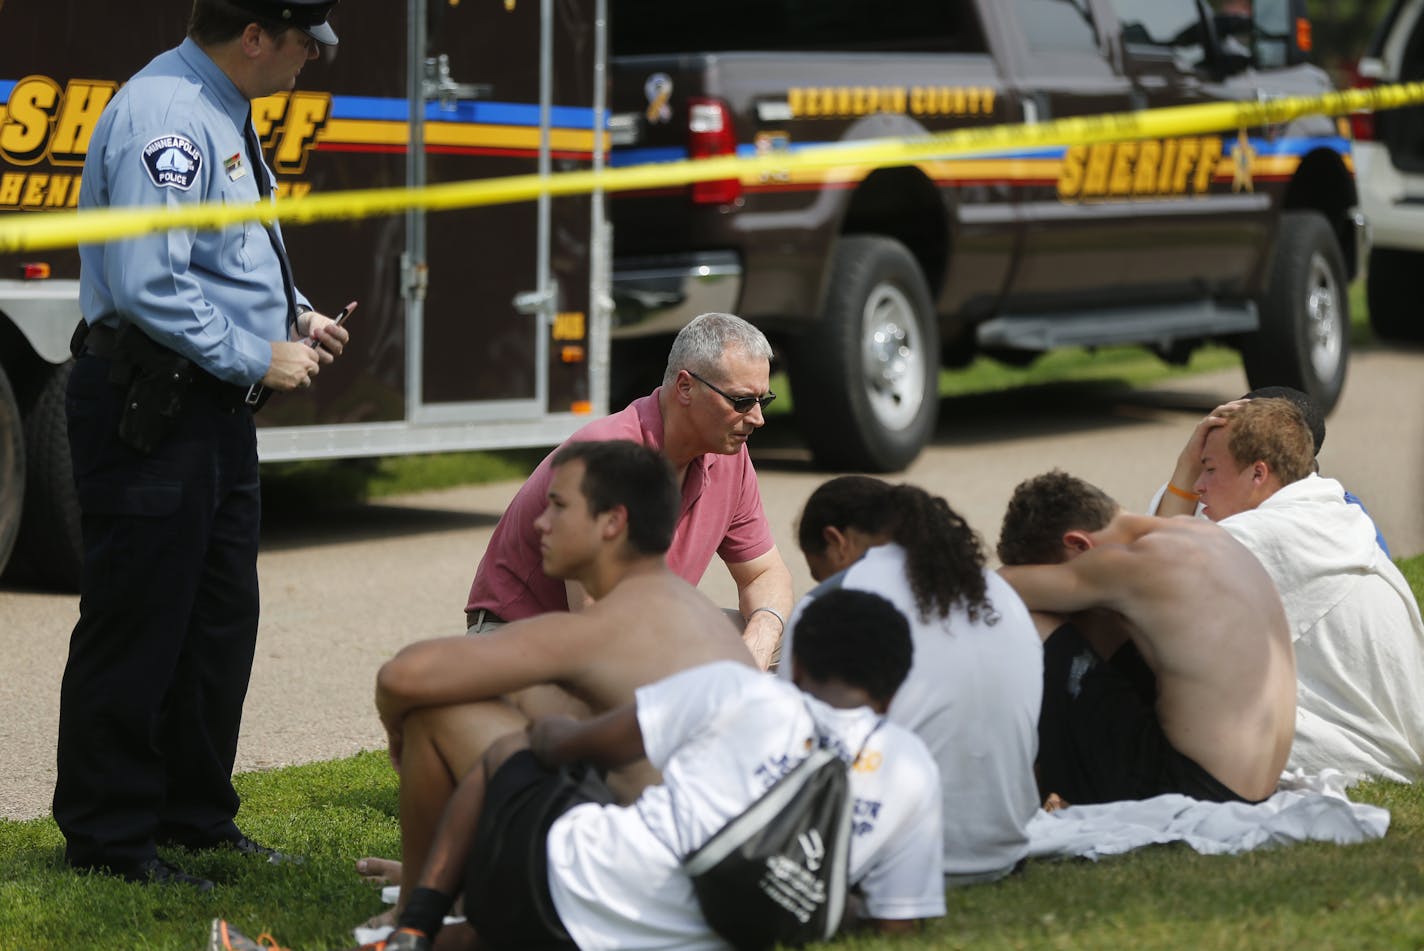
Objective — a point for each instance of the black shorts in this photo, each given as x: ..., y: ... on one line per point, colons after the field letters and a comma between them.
x: 507, y: 898
x: 1099, y: 739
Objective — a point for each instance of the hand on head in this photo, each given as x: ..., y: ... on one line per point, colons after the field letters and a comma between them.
x: 1189, y: 462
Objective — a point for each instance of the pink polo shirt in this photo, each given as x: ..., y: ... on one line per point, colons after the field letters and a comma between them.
x: 721, y: 514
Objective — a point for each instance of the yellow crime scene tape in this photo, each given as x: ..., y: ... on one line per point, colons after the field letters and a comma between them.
x: 61, y: 229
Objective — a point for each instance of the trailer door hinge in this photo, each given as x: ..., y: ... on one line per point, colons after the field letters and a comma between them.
x: 415, y: 278
x: 538, y: 303
x: 439, y: 85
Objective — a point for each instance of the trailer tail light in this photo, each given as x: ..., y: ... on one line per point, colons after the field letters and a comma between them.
x: 1362, y: 124
x: 710, y: 135
x: 34, y: 271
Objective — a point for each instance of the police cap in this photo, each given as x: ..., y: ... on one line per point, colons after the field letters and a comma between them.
x: 309, y: 16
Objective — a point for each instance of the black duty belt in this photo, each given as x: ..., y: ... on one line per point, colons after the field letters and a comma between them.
x: 102, y: 341
x: 106, y: 342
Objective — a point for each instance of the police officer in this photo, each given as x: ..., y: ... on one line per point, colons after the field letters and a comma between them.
x: 180, y: 327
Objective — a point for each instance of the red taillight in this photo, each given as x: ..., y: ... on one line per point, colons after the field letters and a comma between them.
x: 1362, y: 124
x: 710, y: 134
x: 34, y: 271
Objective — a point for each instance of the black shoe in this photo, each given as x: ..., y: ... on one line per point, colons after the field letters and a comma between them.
x: 239, y: 843
x: 155, y: 871
x: 247, y: 847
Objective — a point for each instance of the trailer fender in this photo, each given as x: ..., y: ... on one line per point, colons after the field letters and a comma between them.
x: 44, y: 312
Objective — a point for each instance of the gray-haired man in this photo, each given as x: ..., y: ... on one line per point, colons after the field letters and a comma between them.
x: 700, y: 418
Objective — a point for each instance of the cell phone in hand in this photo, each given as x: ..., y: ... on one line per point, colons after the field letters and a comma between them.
x: 339, y: 320
x: 257, y: 393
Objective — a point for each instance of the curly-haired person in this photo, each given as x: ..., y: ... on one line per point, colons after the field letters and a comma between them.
x: 974, y: 688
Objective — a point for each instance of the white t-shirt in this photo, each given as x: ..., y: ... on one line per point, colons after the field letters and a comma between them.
x: 722, y: 734
x: 973, y: 696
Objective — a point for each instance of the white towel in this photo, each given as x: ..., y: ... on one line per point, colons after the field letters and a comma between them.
x: 1306, y: 807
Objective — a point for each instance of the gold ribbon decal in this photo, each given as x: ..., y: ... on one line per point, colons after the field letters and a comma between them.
x: 1242, y: 157
x: 658, y: 89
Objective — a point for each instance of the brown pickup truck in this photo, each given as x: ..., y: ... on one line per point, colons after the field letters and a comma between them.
x: 871, y: 279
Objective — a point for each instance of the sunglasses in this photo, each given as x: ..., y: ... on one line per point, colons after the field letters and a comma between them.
x: 742, y: 404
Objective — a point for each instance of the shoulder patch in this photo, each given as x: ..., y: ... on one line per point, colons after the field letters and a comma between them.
x: 172, y: 161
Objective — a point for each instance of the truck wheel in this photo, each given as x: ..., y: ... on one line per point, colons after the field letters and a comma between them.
x: 12, y: 469
x: 866, y: 380
x: 1304, y: 339
x: 49, y: 549
x: 1392, y: 290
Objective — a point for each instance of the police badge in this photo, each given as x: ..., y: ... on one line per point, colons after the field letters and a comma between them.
x: 172, y: 161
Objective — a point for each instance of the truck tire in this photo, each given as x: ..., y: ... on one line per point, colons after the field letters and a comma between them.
x: 866, y: 380
x: 1304, y: 339
x: 1392, y: 290
x: 12, y: 469
x: 49, y: 549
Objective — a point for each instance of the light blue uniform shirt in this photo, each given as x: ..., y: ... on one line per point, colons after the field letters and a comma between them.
x: 173, y: 135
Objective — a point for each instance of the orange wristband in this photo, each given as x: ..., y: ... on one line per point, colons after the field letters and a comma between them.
x: 1183, y: 493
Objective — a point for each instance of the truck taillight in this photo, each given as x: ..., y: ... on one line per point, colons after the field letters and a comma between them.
x: 1362, y: 124
x: 34, y: 271
x: 710, y: 134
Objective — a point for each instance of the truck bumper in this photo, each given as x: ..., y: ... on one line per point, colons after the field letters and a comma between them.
x: 660, y: 295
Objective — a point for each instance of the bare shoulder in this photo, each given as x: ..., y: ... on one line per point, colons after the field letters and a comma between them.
x: 1141, y: 555
x: 663, y: 605
x: 1176, y: 536
x: 647, y: 628
x: 1184, y: 552
x: 642, y: 598
x: 661, y: 584
x: 1189, y: 533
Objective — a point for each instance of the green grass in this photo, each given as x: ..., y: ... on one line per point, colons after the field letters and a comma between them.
x: 1361, y: 896
x: 297, y: 485
x: 303, y: 484
x: 1413, y: 569
x: 1314, y: 895
x: 331, y: 813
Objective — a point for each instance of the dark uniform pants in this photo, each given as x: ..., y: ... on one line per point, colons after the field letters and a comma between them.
x: 159, y: 662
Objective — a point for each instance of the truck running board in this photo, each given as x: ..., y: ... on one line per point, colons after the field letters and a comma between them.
x: 1158, y: 325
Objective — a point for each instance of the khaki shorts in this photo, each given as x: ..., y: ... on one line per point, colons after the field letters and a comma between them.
x: 482, y: 621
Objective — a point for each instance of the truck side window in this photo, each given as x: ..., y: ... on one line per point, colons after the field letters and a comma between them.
x: 907, y: 26
x: 1162, y: 29
x: 1273, y: 22
x: 1057, y: 26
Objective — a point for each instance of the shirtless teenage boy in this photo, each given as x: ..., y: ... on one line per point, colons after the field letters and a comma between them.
x: 1174, y: 671
x: 609, y: 519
